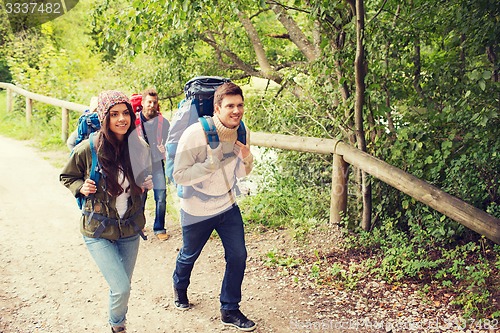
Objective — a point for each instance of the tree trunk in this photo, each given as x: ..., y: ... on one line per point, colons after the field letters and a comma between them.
x: 260, y: 53
x: 492, y: 57
x: 296, y: 34
x: 416, y: 72
x: 360, y: 74
x: 347, y: 128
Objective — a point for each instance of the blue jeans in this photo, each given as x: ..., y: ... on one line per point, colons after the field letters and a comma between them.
x: 229, y: 227
x: 160, y: 195
x: 116, y: 261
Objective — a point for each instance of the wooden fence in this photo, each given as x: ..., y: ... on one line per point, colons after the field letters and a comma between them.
x: 342, y: 155
x: 30, y: 97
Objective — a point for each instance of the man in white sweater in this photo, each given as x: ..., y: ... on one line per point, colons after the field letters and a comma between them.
x: 212, y: 174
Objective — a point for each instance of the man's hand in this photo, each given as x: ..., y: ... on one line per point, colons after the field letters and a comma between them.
x: 148, y: 183
x: 161, y: 148
x: 244, y: 150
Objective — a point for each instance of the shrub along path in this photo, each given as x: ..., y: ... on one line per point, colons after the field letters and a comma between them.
x: 49, y: 283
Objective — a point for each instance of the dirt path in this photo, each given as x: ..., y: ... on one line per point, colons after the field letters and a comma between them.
x: 49, y: 283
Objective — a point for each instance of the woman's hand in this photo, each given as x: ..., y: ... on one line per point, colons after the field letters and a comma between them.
x: 148, y: 183
x: 89, y: 187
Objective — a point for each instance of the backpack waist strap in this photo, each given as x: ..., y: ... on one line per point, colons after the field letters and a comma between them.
x: 107, y: 221
x: 189, y: 191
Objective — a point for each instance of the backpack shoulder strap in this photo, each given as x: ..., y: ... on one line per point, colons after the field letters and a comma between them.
x: 210, y: 131
x: 159, y: 130
x: 138, y: 124
x: 95, y: 174
x: 95, y: 167
x: 242, y: 133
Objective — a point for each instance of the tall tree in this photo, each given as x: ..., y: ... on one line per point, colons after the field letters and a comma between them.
x: 360, y: 69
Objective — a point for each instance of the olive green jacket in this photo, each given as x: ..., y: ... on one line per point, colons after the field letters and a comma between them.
x: 77, y: 170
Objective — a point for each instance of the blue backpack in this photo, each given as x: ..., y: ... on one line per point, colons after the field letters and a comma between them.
x: 87, y: 123
x: 197, y: 106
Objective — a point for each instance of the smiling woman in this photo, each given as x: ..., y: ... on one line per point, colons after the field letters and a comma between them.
x: 113, y: 212
x: 119, y: 120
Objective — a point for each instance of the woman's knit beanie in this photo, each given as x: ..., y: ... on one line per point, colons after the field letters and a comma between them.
x: 109, y: 98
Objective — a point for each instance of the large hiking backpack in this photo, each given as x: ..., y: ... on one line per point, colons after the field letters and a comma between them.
x: 197, y: 106
x: 136, y: 102
x: 88, y: 123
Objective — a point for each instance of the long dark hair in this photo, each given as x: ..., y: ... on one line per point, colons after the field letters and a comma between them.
x: 114, y: 155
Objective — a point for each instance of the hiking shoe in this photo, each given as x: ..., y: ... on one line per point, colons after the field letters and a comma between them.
x: 237, y: 319
x: 118, y: 329
x: 163, y: 236
x: 181, y: 301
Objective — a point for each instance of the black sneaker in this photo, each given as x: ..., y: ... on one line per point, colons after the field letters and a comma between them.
x: 181, y: 301
x: 237, y: 319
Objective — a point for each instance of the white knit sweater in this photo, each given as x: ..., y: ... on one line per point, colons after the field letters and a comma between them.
x: 191, y: 168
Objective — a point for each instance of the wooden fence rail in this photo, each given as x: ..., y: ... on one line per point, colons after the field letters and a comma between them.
x: 342, y: 154
x: 30, y: 97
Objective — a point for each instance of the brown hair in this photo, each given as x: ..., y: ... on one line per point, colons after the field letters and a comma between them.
x: 227, y: 88
x: 114, y: 155
x: 149, y: 92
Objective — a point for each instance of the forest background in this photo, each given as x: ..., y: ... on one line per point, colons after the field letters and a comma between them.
x: 412, y: 82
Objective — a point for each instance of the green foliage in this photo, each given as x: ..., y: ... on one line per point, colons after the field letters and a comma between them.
x: 447, y: 151
x: 282, y: 196
x: 469, y: 270
x: 5, y: 75
x: 273, y: 258
x: 56, y: 60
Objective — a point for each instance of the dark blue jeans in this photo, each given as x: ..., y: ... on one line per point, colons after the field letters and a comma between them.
x: 229, y: 227
x: 160, y: 196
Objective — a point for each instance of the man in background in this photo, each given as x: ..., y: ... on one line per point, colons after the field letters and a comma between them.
x: 153, y: 127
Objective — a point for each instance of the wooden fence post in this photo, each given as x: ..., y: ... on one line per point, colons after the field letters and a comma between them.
x: 29, y: 109
x: 10, y: 100
x: 64, y: 124
x: 338, y: 203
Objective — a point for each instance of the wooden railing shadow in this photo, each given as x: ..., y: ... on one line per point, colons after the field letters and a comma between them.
x: 342, y: 155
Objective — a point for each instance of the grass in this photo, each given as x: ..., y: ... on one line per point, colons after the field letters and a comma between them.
x: 44, y: 129
x: 43, y: 132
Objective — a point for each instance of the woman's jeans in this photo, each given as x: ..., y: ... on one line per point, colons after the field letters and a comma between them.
x: 229, y: 227
x: 116, y: 261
